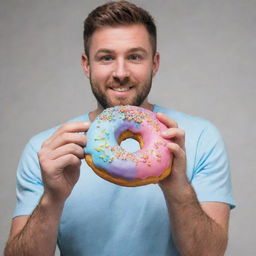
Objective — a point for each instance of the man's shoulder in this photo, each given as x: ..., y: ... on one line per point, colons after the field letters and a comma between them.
x: 185, y: 120
x: 37, y: 140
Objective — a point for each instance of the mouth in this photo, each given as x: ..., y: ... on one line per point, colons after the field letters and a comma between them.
x: 121, y: 92
x: 122, y: 89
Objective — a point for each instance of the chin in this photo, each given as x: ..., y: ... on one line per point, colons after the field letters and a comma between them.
x: 121, y: 103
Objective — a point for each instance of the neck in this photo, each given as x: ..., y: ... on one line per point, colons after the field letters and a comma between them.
x: 93, y: 114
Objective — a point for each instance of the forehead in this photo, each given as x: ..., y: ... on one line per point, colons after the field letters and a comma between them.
x: 120, y: 38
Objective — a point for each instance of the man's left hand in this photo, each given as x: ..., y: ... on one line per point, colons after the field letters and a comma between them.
x: 176, y: 137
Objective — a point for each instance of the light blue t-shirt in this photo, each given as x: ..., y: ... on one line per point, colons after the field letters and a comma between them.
x: 104, y: 219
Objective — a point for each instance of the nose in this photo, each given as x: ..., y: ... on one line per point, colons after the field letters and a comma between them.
x: 121, y: 73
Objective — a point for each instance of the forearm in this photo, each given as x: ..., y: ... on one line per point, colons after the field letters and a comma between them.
x: 194, y: 232
x: 39, y: 235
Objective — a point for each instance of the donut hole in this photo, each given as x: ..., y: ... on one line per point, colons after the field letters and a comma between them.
x: 130, y: 141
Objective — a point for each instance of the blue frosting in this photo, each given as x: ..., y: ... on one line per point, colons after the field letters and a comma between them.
x: 102, y: 137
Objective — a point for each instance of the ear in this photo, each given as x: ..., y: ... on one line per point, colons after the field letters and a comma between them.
x: 85, y: 65
x: 156, y: 63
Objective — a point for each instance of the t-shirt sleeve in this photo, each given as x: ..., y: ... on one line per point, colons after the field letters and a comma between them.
x: 211, y: 177
x: 29, y: 187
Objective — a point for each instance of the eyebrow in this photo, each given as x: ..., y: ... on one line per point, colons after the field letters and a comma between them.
x: 103, y: 50
x: 135, y: 49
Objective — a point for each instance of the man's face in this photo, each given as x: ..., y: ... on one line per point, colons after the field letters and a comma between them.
x: 121, y: 65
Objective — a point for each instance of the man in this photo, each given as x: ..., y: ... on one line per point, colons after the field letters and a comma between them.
x: 60, y: 200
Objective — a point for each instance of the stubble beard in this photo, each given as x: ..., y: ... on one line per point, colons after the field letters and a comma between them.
x: 106, y: 103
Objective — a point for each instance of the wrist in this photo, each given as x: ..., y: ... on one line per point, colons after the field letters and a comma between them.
x: 51, y: 202
x: 179, y: 195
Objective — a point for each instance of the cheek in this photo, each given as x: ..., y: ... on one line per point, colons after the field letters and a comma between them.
x: 143, y: 73
x: 100, y: 73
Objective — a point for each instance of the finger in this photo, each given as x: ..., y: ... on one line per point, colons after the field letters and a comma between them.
x: 176, y: 134
x: 176, y: 150
x: 70, y: 148
x: 66, y: 160
x: 66, y: 138
x: 170, y: 123
x: 74, y: 127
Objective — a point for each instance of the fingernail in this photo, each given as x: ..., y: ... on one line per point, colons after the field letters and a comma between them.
x: 164, y: 133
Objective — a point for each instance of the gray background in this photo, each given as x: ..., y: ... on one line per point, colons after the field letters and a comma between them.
x: 207, y: 69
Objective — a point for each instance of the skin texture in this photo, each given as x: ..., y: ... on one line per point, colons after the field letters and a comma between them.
x: 120, y: 57
x: 60, y: 160
x: 198, y: 229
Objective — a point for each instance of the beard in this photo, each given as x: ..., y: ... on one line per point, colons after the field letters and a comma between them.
x: 135, y: 101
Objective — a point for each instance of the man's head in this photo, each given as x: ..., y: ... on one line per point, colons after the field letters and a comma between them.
x: 120, y: 54
x: 115, y: 14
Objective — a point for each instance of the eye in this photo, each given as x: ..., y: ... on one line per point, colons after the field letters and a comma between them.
x: 135, y: 57
x: 106, y: 58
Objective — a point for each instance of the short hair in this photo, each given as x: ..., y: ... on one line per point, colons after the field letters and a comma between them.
x: 116, y: 14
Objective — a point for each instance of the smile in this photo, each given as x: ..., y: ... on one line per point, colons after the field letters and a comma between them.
x: 121, y: 89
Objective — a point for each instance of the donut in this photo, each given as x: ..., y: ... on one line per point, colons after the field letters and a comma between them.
x: 103, y: 153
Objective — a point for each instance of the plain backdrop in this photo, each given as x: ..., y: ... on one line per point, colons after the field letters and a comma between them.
x: 208, y: 57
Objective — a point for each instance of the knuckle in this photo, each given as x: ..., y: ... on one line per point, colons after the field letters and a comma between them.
x: 44, y: 158
x: 41, y: 155
x: 68, y: 159
x: 65, y: 137
x: 76, y: 149
x: 175, y: 147
x: 71, y: 158
x: 182, y: 132
x: 74, y: 160
x: 62, y: 128
x: 43, y: 161
x: 80, y: 152
x: 45, y: 144
x: 73, y: 147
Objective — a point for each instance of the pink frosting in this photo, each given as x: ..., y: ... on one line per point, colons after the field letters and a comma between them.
x: 156, y: 157
x: 150, y: 161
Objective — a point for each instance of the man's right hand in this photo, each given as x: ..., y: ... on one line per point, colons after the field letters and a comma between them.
x: 60, y: 159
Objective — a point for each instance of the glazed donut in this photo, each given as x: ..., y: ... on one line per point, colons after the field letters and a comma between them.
x: 110, y: 161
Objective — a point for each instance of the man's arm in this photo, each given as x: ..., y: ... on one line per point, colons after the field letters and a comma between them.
x: 198, y: 229
x: 36, y: 234
x: 60, y: 160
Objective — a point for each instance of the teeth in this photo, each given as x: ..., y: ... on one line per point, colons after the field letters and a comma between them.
x: 122, y: 89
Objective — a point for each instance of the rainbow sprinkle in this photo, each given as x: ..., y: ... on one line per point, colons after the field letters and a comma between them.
x: 130, y: 114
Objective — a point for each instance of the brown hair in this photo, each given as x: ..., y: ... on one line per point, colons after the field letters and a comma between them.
x: 118, y: 13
